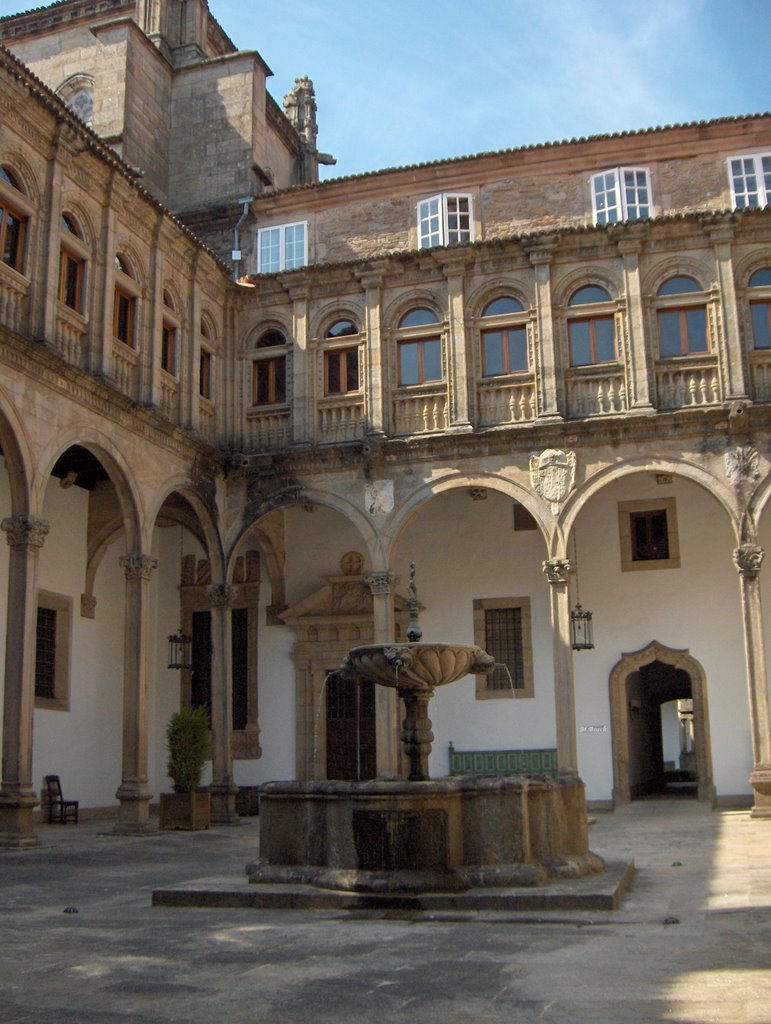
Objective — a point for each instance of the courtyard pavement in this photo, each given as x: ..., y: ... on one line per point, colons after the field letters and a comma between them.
x: 691, y: 942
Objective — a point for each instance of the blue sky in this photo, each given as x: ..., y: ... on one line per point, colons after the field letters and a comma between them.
x: 404, y: 81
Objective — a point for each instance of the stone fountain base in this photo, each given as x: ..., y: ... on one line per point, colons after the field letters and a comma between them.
x: 445, y: 835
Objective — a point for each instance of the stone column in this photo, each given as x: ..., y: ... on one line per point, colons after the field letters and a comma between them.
x: 388, y: 752
x: 26, y: 535
x: 223, y: 789
x: 728, y: 340
x: 748, y: 559
x: 134, y: 791
x: 300, y: 388
x: 636, y: 359
x: 546, y: 363
x: 557, y: 572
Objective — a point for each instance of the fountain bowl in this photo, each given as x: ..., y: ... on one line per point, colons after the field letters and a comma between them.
x: 416, y: 666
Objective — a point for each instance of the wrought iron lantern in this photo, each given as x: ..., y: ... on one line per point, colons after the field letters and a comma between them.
x: 180, y: 651
x: 581, y: 635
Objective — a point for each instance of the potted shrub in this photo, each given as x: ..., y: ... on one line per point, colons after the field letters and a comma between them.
x: 188, y: 744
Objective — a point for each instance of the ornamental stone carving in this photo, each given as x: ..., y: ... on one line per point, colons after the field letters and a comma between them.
x: 742, y: 465
x: 557, y: 570
x: 553, y: 475
x: 25, y: 531
x: 379, y: 497
x: 220, y: 595
x: 748, y: 560
x: 138, y: 567
x: 380, y: 583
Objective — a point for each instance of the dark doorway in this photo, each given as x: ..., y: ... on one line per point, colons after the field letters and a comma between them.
x: 350, y: 728
x: 652, y: 771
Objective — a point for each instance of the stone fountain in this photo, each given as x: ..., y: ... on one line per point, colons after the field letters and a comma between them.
x: 421, y: 835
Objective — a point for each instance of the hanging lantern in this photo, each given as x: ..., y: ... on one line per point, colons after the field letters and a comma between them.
x: 180, y: 651
x: 581, y: 636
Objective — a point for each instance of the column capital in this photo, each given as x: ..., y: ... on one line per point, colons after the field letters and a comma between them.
x: 137, y: 566
x: 25, y: 531
x: 220, y: 595
x: 748, y: 560
x: 380, y: 583
x: 557, y: 570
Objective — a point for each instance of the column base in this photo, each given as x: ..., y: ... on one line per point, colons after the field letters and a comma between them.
x: 134, y: 810
x: 761, y: 784
x: 16, y: 823
x: 223, y: 804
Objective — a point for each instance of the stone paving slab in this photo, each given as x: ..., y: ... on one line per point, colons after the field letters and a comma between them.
x: 592, y: 892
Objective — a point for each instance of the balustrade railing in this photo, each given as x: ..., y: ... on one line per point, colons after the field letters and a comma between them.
x: 595, y: 391
x: 688, y: 384
x: 420, y: 411
x: 340, y: 418
x: 207, y: 422
x: 70, y: 334
x: 13, y: 291
x: 760, y: 368
x: 268, y: 429
x: 124, y: 363
x: 169, y: 396
x: 503, y: 402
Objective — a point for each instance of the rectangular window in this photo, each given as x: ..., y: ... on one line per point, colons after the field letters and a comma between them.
x: 444, y: 220
x: 648, y: 534
x: 52, y: 651
x: 169, y: 348
x: 11, y: 238
x: 341, y: 371
x: 420, y: 362
x: 622, y: 193
x: 750, y: 180
x: 683, y: 331
x: 204, y: 374
x: 123, y: 317
x: 269, y: 381
x: 504, y: 351
x: 761, y: 324
x: 71, y: 281
x: 502, y: 627
x: 592, y: 341
x: 283, y: 247
x: 45, y: 654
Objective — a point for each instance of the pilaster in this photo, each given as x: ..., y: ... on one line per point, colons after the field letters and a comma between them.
x: 374, y: 384
x: 301, y: 393
x: 639, y: 383
x: 729, y: 340
x: 546, y: 393
x: 457, y: 362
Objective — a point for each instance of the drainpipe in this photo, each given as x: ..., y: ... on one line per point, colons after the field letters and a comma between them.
x: 236, y: 253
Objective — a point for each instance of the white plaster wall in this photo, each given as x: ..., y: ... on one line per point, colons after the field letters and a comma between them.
x: 5, y: 510
x: 695, y: 607
x: 764, y: 539
x: 465, y: 549
x: 670, y: 732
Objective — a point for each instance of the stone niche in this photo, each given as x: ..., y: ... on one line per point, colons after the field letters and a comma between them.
x: 441, y: 835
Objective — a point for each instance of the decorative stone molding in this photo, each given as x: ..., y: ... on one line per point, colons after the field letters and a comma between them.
x: 748, y: 560
x: 379, y: 497
x: 25, y: 531
x: 478, y: 493
x: 87, y: 606
x: 138, y: 566
x: 742, y: 465
x: 220, y: 595
x: 380, y: 583
x: 553, y: 475
x: 557, y: 570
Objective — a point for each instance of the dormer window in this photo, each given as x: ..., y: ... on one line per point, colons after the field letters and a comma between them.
x: 283, y: 247
x: 445, y: 220
x: 622, y: 193
x: 750, y: 180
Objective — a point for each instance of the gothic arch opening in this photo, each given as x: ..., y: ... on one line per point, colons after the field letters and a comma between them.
x: 640, y: 684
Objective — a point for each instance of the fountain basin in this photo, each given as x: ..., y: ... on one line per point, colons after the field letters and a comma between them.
x: 443, y: 835
x: 416, y: 666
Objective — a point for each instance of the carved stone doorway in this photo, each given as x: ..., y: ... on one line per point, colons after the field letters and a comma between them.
x: 639, y: 684
x: 351, y: 732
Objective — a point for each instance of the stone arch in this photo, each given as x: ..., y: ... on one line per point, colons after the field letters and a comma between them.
x: 394, y: 526
x: 566, y: 286
x: 15, y: 161
x: 211, y: 537
x: 82, y: 218
x: 129, y: 256
x: 331, y: 312
x: 16, y: 451
x: 414, y: 299
x: 498, y: 288
x: 681, y: 265
x: 581, y: 496
x: 676, y: 659
x: 77, y: 92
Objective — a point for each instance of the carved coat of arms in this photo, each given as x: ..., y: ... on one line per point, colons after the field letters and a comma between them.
x: 553, y: 475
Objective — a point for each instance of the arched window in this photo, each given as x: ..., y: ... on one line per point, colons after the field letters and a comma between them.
x: 592, y: 335
x: 419, y: 358
x: 341, y: 364
x: 682, y: 319
x: 169, y: 334
x: 206, y: 362
x: 125, y: 304
x: 760, y: 307
x: 72, y: 264
x: 504, y: 345
x: 269, y: 369
x: 13, y: 223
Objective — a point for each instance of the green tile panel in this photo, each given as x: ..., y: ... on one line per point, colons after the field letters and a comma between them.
x: 503, y: 762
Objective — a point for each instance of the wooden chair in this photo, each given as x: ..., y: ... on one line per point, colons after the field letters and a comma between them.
x: 59, y: 809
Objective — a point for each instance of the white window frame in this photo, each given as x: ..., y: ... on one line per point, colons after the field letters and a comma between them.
x: 614, y: 183
x: 762, y: 175
x: 433, y: 216
x: 282, y: 233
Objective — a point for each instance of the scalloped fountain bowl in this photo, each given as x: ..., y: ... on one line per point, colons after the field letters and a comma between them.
x: 419, y: 835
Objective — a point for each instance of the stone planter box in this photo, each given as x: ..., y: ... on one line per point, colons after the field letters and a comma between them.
x: 185, y: 811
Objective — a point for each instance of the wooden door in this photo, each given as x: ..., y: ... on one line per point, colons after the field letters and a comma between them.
x: 350, y: 728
